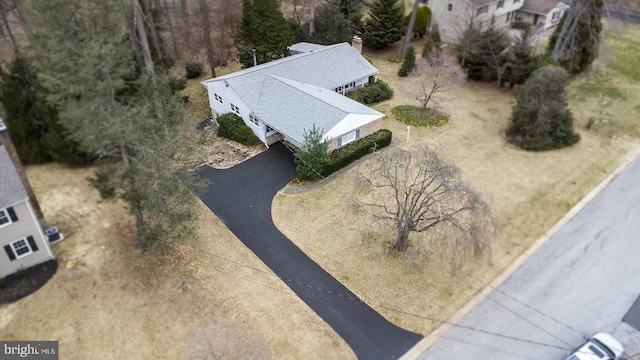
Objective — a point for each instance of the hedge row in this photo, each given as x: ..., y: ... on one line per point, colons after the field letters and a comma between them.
x: 353, y: 151
x: 231, y: 126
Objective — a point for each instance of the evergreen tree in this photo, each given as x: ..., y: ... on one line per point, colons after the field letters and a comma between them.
x: 541, y: 120
x: 487, y: 59
x: 331, y: 26
x: 409, y: 62
x: 263, y: 28
x: 385, y: 24
x: 33, y: 122
x: 432, y: 47
x: 423, y: 17
x: 521, y: 61
x: 313, y: 157
x: 125, y: 115
x: 352, y: 11
x: 576, y: 44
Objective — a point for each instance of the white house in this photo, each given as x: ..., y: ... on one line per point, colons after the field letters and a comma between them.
x: 282, y: 99
x: 454, y: 16
x: 542, y: 13
x: 23, y: 241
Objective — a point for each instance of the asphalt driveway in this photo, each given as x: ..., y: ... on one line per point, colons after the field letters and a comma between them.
x: 241, y: 197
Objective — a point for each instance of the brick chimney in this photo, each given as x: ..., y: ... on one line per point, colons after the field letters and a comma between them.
x: 356, y: 42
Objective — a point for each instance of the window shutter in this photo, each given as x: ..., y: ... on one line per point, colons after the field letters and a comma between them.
x: 12, y: 214
x: 10, y: 253
x: 32, y: 243
x: 340, y: 141
x: 357, y: 134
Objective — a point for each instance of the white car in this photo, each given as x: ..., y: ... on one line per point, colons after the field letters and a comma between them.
x: 600, y: 346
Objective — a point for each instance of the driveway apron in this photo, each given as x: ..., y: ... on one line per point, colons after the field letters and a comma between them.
x: 241, y: 197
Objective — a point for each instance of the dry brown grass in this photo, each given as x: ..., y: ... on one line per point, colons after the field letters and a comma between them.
x: 528, y: 192
x: 107, y: 301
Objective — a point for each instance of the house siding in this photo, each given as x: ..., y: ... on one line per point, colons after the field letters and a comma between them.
x: 230, y: 97
x: 365, y: 130
x: 26, y: 226
x: 452, y: 24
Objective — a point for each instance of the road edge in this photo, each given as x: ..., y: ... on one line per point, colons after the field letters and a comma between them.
x: 430, y: 339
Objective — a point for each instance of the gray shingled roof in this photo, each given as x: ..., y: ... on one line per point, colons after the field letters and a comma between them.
x: 329, y: 67
x: 304, y: 47
x: 312, y: 104
x: 11, y: 189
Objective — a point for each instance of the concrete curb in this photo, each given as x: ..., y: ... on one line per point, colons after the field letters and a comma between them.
x: 430, y: 339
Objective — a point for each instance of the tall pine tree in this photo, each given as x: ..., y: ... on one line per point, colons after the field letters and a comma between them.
x: 576, y: 42
x: 264, y: 29
x: 120, y: 110
x: 33, y: 122
x: 384, y: 25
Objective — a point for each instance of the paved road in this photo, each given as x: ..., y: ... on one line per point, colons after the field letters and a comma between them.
x: 241, y: 197
x: 583, y: 280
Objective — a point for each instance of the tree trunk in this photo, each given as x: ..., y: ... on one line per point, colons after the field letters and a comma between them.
x: 172, y: 32
x: 402, y: 241
x: 312, y: 16
x: 148, y: 16
x: 14, y: 46
x: 412, y: 21
x: 184, y: 14
x: 140, y: 38
x: 204, y: 10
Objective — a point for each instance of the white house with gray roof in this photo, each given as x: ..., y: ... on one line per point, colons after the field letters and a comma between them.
x: 23, y: 241
x: 282, y: 99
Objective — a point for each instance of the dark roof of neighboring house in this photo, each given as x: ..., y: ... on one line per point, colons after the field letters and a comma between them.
x: 327, y: 67
x: 542, y: 7
x: 11, y: 189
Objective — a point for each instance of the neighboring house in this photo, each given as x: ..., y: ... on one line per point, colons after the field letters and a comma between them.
x: 23, y: 241
x: 454, y: 16
x: 282, y: 99
x: 541, y: 13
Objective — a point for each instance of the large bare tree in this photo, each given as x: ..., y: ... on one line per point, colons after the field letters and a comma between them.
x: 416, y: 191
x: 441, y: 75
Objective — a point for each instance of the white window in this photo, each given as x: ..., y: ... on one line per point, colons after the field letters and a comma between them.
x: 556, y: 15
x: 482, y: 10
x: 450, y: 7
x: 509, y: 14
x: 21, y: 248
x: 254, y: 119
x: 5, y: 219
x: 348, y: 137
x: 500, y: 4
x: 235, y: 109
x: 218, y: 98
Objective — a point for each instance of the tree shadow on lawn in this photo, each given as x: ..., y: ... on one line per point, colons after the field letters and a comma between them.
x: 26, y: 282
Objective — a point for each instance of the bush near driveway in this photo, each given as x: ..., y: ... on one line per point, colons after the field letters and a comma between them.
x: 231, y: 126
x: 353, y: 151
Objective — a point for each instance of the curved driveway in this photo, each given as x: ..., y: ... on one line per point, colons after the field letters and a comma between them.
x: 241, y: 197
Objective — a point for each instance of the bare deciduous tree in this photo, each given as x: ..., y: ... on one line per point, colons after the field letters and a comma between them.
x: 416, y: 191
x: 441, y: 75
x: 206, y: 31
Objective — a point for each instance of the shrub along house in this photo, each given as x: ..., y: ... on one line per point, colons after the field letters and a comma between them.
x: 282, y: 99
x: 22, y: 238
